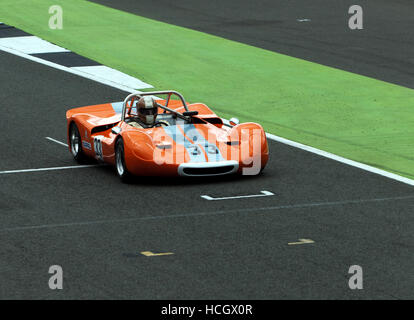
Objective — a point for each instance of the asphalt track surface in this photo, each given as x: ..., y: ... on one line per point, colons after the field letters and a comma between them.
x: 95, y: 227
x: 384, y: 49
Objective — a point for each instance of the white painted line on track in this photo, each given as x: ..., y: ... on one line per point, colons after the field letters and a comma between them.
x: 69, y: 70
x: 52, y: 168
x: 341, y: 159
x: 57, y: 141
x: 49, y: 169
x: 109, y: 74
x: 205, y: 214
x: 301, y: 241
x: 263, y: 194
x: 269, y: 135
x: 30, y: 45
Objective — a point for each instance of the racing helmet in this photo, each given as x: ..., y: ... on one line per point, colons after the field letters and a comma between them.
x: 147, y: 110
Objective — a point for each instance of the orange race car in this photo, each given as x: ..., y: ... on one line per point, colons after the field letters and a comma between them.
x: 149, y: 135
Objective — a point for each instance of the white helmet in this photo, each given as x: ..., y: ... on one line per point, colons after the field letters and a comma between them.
x: 147, y: 110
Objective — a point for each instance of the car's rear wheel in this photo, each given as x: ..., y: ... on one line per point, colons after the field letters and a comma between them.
x: 120, y: 164
x: 75, y: 141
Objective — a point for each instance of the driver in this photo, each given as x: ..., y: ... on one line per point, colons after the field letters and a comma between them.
x: 147, y: 113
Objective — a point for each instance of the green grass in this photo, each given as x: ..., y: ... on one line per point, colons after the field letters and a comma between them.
x: 350, y: 115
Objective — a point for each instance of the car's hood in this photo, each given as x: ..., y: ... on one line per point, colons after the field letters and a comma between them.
x: 202, y: 142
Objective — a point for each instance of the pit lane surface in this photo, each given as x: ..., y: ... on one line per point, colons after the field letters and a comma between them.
x: 95, y: 227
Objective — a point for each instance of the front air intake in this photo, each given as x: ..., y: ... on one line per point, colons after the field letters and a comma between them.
x: 207, y: 171
x: 208, y: 168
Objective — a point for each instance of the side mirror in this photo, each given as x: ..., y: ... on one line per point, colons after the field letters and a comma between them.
x: 116, y: 130
x: 234, y: 121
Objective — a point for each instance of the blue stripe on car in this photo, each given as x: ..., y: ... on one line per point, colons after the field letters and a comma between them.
x: 213, y: 153
x: 117, y: 106
x: 179, y: 138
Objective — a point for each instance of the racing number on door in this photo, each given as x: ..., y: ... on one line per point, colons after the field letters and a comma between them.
x: 97, y: 145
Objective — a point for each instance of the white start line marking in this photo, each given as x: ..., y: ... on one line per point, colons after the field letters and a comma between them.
x: 263, y: 194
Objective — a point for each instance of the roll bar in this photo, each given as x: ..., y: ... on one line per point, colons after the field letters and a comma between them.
x: 169, y: 93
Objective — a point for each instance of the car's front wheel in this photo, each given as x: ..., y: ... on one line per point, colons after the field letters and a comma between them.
x: 120, y: 164
x: 75, y: 141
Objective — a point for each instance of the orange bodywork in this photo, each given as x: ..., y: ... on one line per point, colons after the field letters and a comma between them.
x: 179, y: 149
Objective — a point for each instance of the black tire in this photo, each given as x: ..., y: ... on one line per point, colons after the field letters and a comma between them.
x: 120, y: 165
x: 75, y: 141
